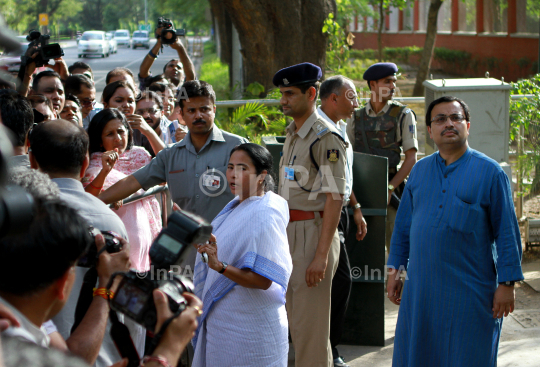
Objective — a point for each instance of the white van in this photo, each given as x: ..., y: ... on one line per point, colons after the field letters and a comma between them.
x: 140, y: 39
x: 93, y: 43
x: 122, y: 37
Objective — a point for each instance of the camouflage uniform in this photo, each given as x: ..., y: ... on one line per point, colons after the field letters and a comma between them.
x: 384, y: 134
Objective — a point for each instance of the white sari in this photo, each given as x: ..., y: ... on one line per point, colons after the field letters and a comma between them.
x: 243, y: 326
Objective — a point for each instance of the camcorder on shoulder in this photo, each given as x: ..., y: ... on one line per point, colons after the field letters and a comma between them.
x: 134, y: 294
x: 46, y: 51
x: 168, y: 33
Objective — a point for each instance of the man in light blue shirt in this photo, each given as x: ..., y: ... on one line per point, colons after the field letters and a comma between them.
x: 338, y: 101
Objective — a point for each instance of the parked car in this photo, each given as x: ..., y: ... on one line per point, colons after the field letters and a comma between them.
x: 113, y: 45
x: 122, y: 37
x: 140, y: 39
x: 93, y: 43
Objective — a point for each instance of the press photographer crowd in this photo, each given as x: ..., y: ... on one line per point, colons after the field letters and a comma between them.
x: 90, y: 278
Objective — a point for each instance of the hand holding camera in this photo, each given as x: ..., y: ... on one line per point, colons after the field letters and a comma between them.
x: 134, y: 295
x: 181, y: 329
x: 167, y: 33
x: 110, y: 263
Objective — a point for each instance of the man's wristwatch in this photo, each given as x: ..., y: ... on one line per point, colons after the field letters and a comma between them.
x: 224, y: 267
x: 508, y: 283
x: 390, y: 187
x: 356, y: 206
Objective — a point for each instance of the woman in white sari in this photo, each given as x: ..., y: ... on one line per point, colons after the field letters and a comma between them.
x: 243, y: 285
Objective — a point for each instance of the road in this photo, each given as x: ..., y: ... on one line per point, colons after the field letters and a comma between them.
x: 126, y: 57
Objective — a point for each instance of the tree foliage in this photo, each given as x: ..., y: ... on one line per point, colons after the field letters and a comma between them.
x: 525, y: 114
x: 192, y: 15
x: 22, y: 15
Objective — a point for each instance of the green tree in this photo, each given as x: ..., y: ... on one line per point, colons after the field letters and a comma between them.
x: 429, y: 47
x: 22, y: 15
x: 384, y: 9
x: 193, y: 15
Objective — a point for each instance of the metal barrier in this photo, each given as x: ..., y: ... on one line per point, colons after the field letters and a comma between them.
x: 162, y: 191
x: 275, y: 102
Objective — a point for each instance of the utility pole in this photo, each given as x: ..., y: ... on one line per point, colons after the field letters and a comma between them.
x: 145, y: 13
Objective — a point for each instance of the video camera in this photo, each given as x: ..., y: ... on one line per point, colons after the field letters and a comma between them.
x: 46, y: 51
x: 168, y: 33
x: 134, y: 294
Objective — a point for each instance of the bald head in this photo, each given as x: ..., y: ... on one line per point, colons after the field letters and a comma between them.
x: 59, y: 147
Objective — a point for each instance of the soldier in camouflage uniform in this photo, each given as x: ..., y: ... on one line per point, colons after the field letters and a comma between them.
x: 383, y: 127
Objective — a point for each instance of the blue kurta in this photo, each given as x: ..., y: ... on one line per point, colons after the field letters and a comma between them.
x: 457, y: 235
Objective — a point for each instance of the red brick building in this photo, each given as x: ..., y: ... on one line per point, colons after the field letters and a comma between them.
x: 500, y: 35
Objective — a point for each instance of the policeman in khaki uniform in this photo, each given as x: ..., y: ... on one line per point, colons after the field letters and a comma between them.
x: 312, y: 180
x: 382, y: 127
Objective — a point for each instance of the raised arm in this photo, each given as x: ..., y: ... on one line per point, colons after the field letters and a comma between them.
x: 189, y: 69
x: 148, y: 61
x: 86, y: 339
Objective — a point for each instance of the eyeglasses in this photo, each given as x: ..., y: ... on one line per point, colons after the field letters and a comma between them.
x: 87, y: 103
x: 441, y: 119
x: 151, y: 111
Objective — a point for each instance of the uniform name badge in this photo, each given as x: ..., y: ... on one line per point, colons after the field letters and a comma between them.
x: 210, y: 179
x: 289, y: 173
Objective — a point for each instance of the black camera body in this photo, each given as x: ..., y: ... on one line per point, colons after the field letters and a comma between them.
x: 168, y: 33
x: 112, y: 245
x: 46, y: 51
x: 134, y: 294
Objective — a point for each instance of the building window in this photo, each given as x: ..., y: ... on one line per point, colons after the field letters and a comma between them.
x: 423, y: 10
x: 495, y: 16
x: 393, y: 14
x: 444, y: 20
x: 408, y: 16
x: 467, y: 15
x: 360, y: 24
x: 527, y: 10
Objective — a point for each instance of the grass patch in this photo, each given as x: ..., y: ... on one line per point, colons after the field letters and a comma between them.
x: 215, y: 72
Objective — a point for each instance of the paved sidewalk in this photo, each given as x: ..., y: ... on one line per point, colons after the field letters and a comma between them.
x: 520, y: 339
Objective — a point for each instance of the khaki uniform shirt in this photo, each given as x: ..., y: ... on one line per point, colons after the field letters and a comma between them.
x: 406, y: 135
x: 329, y: 153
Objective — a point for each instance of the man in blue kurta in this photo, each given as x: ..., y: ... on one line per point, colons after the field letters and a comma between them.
x: 457, y: 235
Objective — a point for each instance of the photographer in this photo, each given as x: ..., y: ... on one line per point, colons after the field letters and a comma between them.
x: 60, y: 149
x: 49, y: 84
x: 29, y: 59
x: 51, y: 246
x: 173, y: 69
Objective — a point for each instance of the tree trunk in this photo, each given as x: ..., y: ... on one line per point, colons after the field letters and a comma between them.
x: 277, y: 34
x: 429, y: 47
x: 224, y: 24
x: 381, y: 25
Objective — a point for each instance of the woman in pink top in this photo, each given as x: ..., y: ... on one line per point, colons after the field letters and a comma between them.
x: 112, y: 158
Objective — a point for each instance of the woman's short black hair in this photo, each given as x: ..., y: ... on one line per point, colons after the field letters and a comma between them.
x: 262, y: 160
x: 109, y: 90
x: 98, y: 123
